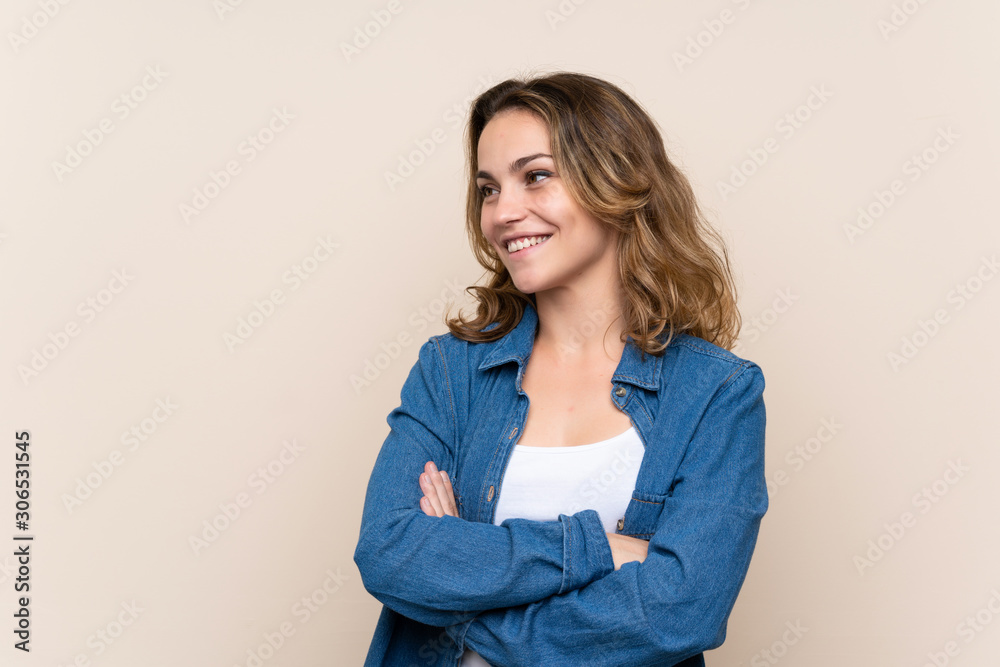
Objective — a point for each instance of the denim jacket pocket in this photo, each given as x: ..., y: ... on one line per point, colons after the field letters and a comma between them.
x: 642, y: 515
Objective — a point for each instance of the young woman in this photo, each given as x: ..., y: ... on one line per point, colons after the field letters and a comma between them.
x: 575, y: 475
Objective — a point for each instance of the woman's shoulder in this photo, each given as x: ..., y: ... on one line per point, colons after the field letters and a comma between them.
x: 687, y: 353
x: 455, y: 351
x: 700, y: 346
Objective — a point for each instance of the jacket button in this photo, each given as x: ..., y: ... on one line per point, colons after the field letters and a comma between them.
x: 489, y: 497
x: 621, y: 524
x: 620, y: 391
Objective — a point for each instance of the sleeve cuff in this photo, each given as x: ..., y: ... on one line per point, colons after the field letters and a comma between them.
x: 586, y: 551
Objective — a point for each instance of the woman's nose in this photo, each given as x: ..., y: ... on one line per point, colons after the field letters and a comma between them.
x: 510, y: 206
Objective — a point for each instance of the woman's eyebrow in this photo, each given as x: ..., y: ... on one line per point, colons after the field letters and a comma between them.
x: 516, y: 165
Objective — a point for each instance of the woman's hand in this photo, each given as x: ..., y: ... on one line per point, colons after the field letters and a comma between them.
x: 625, y: 549
x: 439, y: 497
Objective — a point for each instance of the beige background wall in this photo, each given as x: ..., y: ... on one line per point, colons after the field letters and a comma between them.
x: 121, y: 309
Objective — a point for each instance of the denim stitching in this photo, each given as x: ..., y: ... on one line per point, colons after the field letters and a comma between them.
x: 645, y: 412
x: 447, y: 384
x: 727, y: 384
x: 569, y: 555
x: 489, y: 471
x: 712, y: 353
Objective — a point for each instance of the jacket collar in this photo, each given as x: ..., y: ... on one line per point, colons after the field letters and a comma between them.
x: 519, y: 341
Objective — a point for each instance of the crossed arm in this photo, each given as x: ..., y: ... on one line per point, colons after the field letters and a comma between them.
x: 671, y: 602
x: 429, y: 568
x: 439, y: 500
x: 557, y: 592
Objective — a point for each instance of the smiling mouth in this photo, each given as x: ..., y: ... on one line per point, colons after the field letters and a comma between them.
x: 515, y: 247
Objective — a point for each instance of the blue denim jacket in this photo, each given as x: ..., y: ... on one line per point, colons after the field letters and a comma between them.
x: 535, y: 593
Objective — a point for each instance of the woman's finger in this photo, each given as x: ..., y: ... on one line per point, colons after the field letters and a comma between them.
x: 450, y: 507
x: 445, y: 493
x: 430, y: 490
x: 445, y: 497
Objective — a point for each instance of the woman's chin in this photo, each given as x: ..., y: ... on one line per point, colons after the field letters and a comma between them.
x: 527, y: 286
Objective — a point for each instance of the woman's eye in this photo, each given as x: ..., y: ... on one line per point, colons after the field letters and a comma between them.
x: 532, y: 177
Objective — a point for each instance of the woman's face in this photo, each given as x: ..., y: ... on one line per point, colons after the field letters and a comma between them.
x: 525, y: 197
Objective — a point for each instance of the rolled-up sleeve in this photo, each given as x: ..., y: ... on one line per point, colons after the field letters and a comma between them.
x: 676, y: 603
x: 437, y: 570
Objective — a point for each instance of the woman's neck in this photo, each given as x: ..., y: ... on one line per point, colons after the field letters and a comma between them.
x: 579, y: 329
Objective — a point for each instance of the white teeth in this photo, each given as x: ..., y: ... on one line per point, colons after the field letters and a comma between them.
x: 520, y: 244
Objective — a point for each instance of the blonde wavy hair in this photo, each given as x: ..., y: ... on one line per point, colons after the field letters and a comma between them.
x: 674, y: 269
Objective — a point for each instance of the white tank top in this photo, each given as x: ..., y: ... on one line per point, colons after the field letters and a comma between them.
x: 541, y: 483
